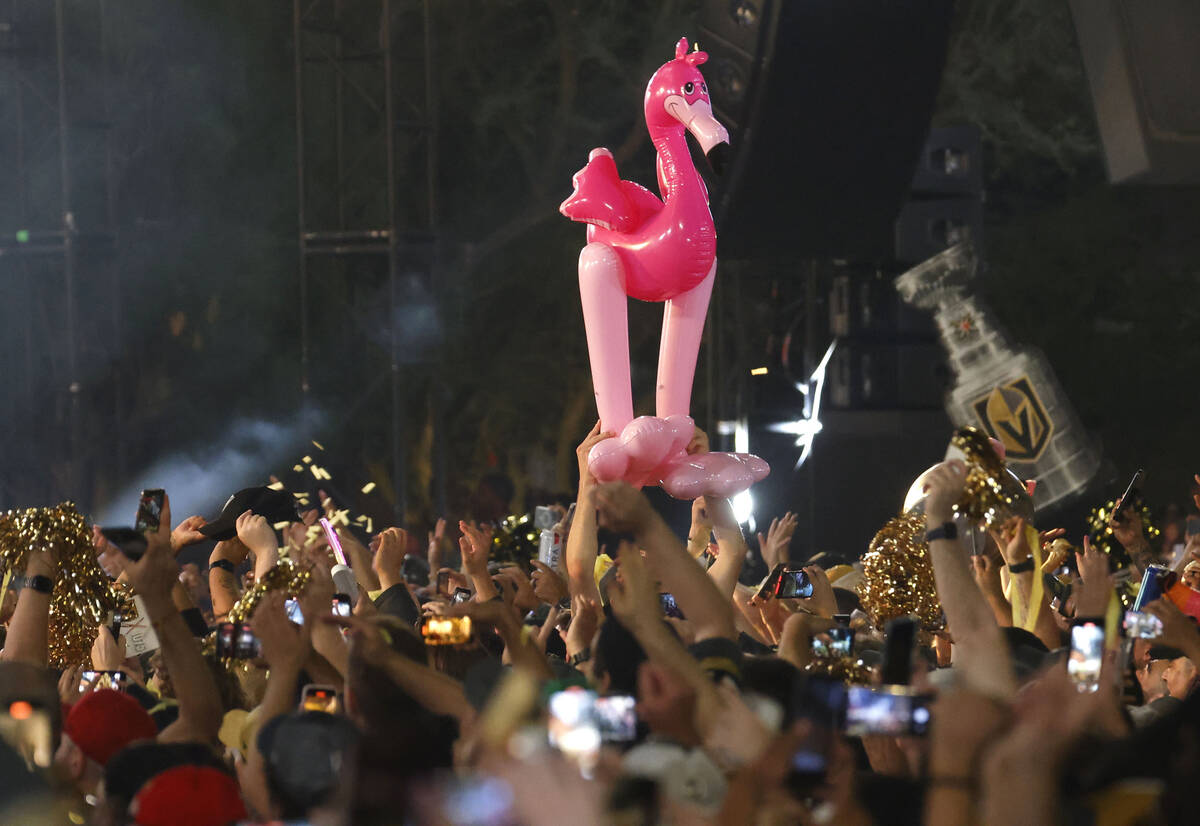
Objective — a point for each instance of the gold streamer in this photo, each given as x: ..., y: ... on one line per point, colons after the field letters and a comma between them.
x: 82, y: 594
x: 898, y: 575
x: 286, y: 576
x: 991, y: 494
x: 847, y: 669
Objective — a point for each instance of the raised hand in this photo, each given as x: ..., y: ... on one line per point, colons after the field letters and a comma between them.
x: 548, y: 586
x: 524, y: 597
x: 633, y: 597
x: 476, y: 545
x: 257, y: 534
x: 107, y: 654
x: 366, y: 638
x: 285, y: 645
x: 622, y: 507
x: 389, y: 557
x: 1179, y: 630
x: 585, y: 619
x: 155, y: 574
x: 943, y: 489
x: 822, y: 602
x: 698, y: 443
x: 774, y: 545
x: 595, y: 435
x: 187, y: 533
x: 1092, y: 598
x: 107, y: 555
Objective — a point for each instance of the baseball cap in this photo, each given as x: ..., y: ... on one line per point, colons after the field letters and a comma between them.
x: 304, y: 754
x: 133, y: 767
x: 275, y: 505
x: 189, y: 796
x: 106, y: 721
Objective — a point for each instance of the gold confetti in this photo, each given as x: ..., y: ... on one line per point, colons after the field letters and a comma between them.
x: 279, y: 526
x: 297, y: 468
x: 341, y: 517
x: 276, y: 486
x: 307, y: 460
x: 368, y: 487
x: 319, y: 446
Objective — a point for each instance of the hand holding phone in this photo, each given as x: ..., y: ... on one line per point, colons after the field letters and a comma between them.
x: 793, y: 584
x: 324, y: 698
x: 149, y: 512
x: 446, y: 630
x: 236, y: 641
x: 116, y: 680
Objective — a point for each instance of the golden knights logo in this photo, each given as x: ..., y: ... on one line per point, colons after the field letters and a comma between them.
x: 1014, y: 414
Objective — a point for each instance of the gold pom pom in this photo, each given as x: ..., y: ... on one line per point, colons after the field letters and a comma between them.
x: 898, y: 575
x: 991, y: 493
x: 847, y: 669
x: 83, y: 593
x: 286, y: 576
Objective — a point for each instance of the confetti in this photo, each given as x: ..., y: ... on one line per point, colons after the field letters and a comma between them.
x: 318, y: 445
x: 368, y: 487
x: 279, y: 526
x: 297, y: 468
x: 276, y: 486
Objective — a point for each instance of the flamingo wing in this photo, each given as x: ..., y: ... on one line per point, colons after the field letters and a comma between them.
x: 600, y: 196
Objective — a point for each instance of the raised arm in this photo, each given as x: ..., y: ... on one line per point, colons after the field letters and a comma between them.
x: 258, y: 535
x: 982, y: 654
x: 582, y: 546
x: 731, y: 544
x: 28, y: 630
x: 153, y: 578
x: 624, y: 509
x: 222, y: 579
x: 476, y: 544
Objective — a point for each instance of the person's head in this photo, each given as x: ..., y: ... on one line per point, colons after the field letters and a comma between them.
x: 188, y: 795
x: 304, y: 755
x: 1181, y: 677
x: 1150, y: 678
x: 616, y: 657
x: 98, y: 726
x: 1191, y: 575
x: 134, y: 766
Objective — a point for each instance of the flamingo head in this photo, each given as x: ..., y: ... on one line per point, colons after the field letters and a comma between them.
x: 677, y: 96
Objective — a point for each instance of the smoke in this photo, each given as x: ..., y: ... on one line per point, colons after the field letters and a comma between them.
x: 199, y: 481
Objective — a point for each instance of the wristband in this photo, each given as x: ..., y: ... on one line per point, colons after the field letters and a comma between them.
x: 947, y: 530
x: 1022, y: 567
x: 578, y: 657
x: 223, y: 564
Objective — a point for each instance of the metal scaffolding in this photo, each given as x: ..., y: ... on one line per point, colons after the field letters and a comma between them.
x: 57, y: 247
x: 366, y: 160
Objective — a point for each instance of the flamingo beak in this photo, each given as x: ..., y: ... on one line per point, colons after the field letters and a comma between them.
x: 698, y: 119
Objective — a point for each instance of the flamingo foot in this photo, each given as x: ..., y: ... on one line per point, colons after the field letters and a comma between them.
x: 653, y: 451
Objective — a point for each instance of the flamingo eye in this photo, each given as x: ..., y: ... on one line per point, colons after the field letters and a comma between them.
x: 689, y: 87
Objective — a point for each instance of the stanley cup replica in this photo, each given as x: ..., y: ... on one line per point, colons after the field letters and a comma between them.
x: 1008, y: 391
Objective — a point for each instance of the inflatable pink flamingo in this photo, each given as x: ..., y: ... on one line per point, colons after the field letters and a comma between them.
x: 654, y: 250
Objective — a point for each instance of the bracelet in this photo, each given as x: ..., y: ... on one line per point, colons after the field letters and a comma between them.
x: 1022, y: 567
x: 223, y: 564
x: 37, y: 582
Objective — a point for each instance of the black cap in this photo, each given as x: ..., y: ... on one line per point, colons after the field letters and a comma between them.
x: 275, y: 505
x: 304, y: 753
x: 1164, y: 652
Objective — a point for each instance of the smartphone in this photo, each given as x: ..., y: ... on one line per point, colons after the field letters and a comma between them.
x: 771, y: 582
x: 572, y: 727
x: 321, y: 698
x: 1142, y: 626
x: 114, y: 624
x: 669, y: 607
x: 236, y: 641
x: 446, y: 630
x: 1128, y: 497
x: 292, y: 606
x: 793, y: 584
x: 334, y: 542
x: 1087, y: 651
x: 900, y: 641
x: 895, y: 713
x: 149, y: 512
x: 1154, y: 583
x: 616, y: 718
x: 130, y: 542
x: 116, y: 680
x: 443, y: 583
x: 706, y: 560
x: 822, y: 702
x: 342, y: 606
x: 27, y: 728
x: 833, y: 642
x: 842, y: 619
x: 460, y: 595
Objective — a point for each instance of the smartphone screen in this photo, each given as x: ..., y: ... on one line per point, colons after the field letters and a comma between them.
x: 130, y: 542
x: 1153, y: 584
x: 115, y: 680
x: 321, y: 698
x: 572, y: 727
x: 235, y: 641
x: 341, y: 605
x: 1087, y: 651
x: 292, y: 606
x: 1142, y: 626
x: 794, y: 584
x: 460, y: 595
x: 446, y: 630
x: 114, y: 624
x: 616, y: 718
x: 833, y: 642
x: 770, y: 583
x: 901, y: 637
x: 149, y: 512
x: 669, y: 607
x: 892, y: 713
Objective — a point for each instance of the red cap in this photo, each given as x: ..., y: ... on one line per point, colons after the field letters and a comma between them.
x: 106, y: 721
x: 189, y: 796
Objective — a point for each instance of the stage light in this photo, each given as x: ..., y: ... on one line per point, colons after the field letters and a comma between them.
x: 806, y: 428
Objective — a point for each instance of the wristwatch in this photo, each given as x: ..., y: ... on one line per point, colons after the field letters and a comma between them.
x: 39, y: 583
x: 578, y: 657
x: 947, y: 530
x: 1022, y: 567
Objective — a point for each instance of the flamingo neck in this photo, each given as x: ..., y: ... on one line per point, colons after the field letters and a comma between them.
x: 676, y: 172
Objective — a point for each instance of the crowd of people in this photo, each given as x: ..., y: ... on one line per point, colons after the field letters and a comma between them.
x: 635, y: 677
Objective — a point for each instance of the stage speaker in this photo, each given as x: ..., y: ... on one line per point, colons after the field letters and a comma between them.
x: 827, y: 103
x: 1142, y: 59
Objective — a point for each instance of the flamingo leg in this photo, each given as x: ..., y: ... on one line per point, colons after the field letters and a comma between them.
x: 606, y: 319
x: 683, y: 325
